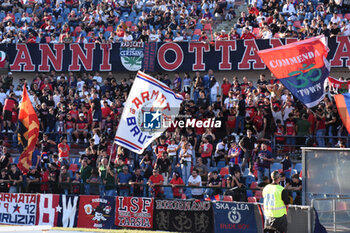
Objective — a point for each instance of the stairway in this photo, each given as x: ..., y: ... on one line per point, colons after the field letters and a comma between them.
x: 219, y: 24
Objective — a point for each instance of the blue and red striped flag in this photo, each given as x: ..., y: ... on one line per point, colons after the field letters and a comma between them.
x: 343, y: 105
x: 213, y: 198
x: 302, y: 67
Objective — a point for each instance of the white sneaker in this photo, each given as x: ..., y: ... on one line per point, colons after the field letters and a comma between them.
x: 10, y: 131
x: 3, y: 131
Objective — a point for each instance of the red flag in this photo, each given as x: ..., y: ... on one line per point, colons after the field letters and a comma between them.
x: 28, y: 131
x: 302, y: 67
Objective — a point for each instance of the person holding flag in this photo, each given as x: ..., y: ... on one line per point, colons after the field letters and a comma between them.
x: 28, y: 131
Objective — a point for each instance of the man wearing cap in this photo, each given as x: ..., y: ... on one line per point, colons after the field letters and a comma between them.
x: 275, y: 201
x: 81, y: 128
x: 223, y: 35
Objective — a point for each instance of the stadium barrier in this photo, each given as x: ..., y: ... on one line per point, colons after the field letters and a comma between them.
x: 106, y: 212
x: 333, y: 213
x: 182, y: 56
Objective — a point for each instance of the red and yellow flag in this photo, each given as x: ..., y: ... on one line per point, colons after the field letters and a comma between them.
x: 28, y: 131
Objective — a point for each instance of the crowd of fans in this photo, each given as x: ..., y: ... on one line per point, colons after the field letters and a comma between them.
x: 260, y: 123
x: 94, y: 21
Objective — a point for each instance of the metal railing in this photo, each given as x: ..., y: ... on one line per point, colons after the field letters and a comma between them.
x: 275, y: 145
x: 334, y: 213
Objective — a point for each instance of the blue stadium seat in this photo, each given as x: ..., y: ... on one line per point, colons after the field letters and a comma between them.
x: 276, y: 166
x: 195, y: 38
x: 199, y: 26
x: 249, y: 180
x: 250, y: 193
x: 188, y: 193
x: 107, y: 34
x: 221, y: 164
x: 298, y: 167
x: 211, y: 169
x: 168, y: 193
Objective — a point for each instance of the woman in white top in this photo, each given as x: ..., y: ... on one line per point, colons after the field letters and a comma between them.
x: 214, y: 89
x: 185, y: 161
x: 172, y: 149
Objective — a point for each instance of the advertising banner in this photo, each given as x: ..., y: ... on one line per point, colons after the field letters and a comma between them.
x: 150, y: 57
x: 57, y: 210
x: 234, y: 217
x: 96, y: 212
x: 134, y: 212
x: 18, y: 208
x: 183, y: 216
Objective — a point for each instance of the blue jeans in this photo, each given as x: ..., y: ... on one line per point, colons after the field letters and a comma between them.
x: 195, y: 95
x: 186, y: 170
x: 87, y: 189
x: 69, y: 136
x: 124, y: 192
x: 239, y: 121
x: 330, y: 133
x: 110, y: 193
x: 262, y: 171
x: 320, y: 137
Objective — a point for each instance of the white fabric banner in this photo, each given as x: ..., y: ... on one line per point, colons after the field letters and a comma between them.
x: 148, y: 111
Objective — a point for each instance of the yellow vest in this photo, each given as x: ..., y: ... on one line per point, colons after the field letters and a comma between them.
x: 273, y: 204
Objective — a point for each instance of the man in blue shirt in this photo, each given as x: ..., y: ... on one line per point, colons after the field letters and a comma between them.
x: 264, y: 159
x: 206, y: 81
x: 123, y: 180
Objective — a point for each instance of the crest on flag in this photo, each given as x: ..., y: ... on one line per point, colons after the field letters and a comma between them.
x: 150, y: 106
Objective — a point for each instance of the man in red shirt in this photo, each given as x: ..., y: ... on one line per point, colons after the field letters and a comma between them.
x: 63, y: 151
x: 106, y: 111
x: 69, y: 126
x: 246, y: 35
x: 290, y: 125
x: 320, y: 127
x: 206, y: 150
x: 153, y: 182
x: 223, y: 35
x: 9, y: 106
x: 81, y: 128
x: 204, y: 38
